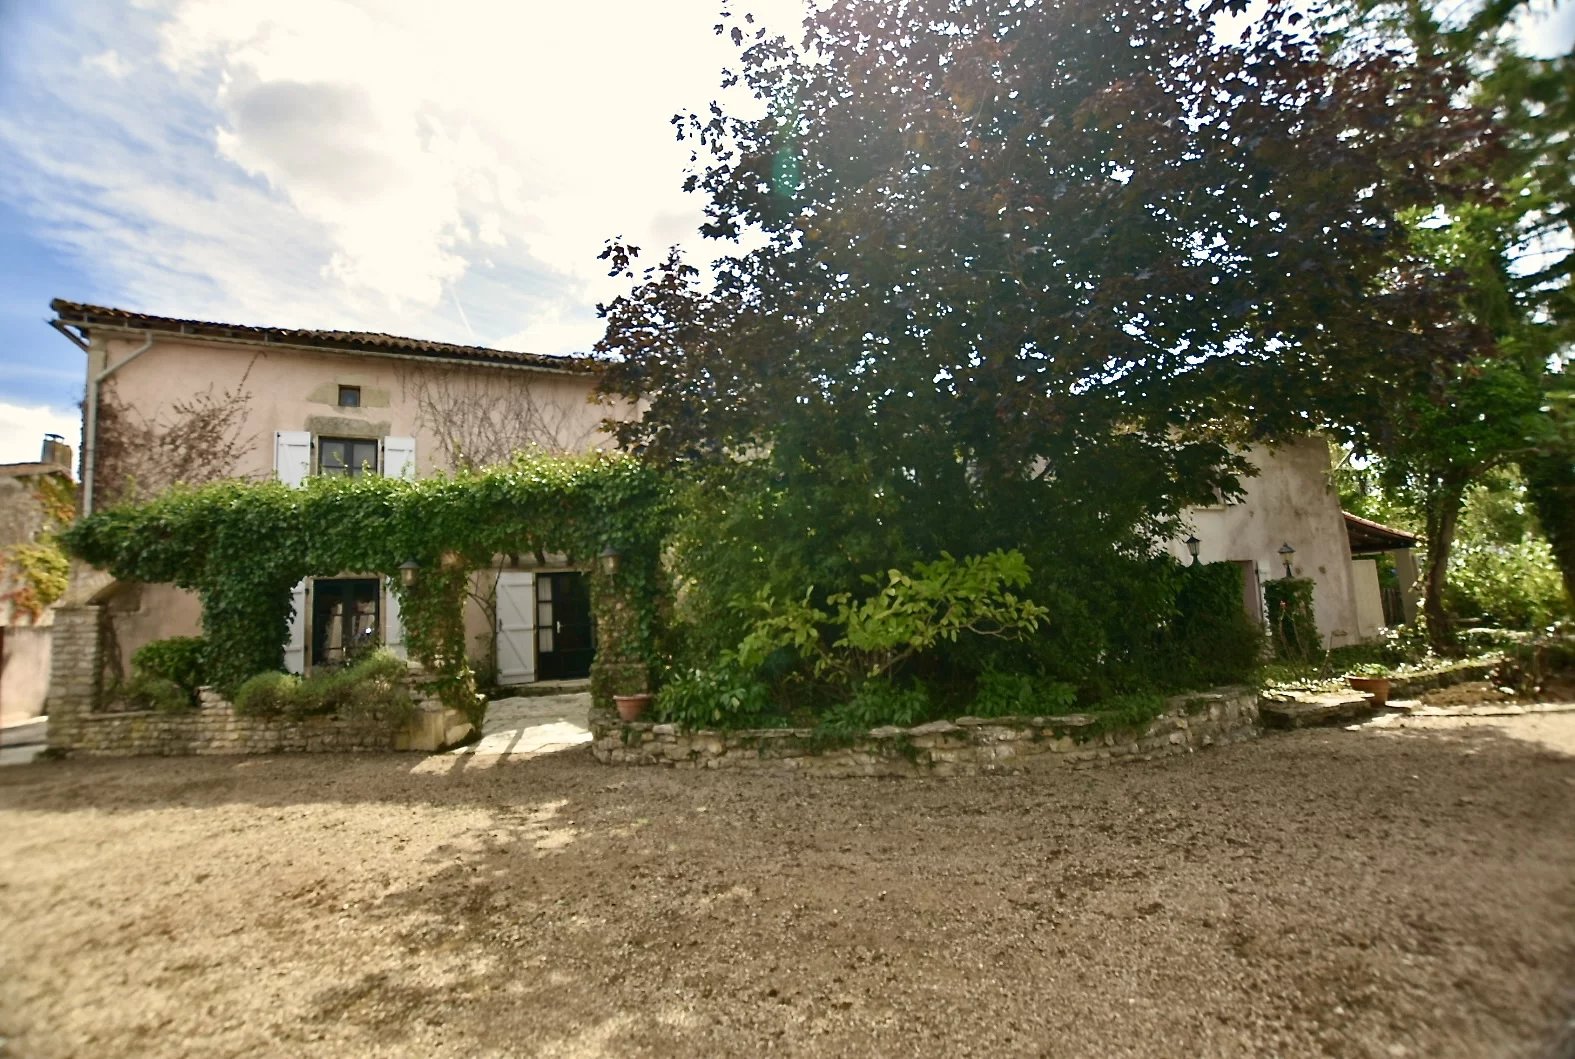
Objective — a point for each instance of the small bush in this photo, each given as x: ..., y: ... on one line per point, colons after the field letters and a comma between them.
x: 372, y: 688
x: 322, y: 693
x: 877, y: 703
x: 1515, y: 585
x: 147, y: 692
x: 1021, y: 695
x: 266, y: 694
x: 1121, y: 712
x: 180, y: 659
x: 1214, y: 639
x: 721, y: 698
x: 1291, y: 621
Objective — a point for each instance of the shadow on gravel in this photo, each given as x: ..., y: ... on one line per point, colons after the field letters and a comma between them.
x: 1384, y: 768
x: 1377, y: 892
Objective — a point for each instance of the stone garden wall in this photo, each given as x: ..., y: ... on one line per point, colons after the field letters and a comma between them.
x: 79, y: 725
x: 1410, y: 685
x: 966, y: 746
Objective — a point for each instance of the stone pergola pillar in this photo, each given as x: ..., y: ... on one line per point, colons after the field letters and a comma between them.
x: 76, y: 672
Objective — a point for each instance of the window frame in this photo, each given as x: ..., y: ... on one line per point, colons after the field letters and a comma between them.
x: 350, y: 469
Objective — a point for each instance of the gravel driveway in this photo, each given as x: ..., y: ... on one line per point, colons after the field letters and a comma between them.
x: 1406, y: 891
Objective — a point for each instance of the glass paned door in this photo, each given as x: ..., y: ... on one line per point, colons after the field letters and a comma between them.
x: 565, y: 633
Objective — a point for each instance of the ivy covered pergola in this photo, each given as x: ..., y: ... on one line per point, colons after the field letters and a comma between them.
x: 241, y: 546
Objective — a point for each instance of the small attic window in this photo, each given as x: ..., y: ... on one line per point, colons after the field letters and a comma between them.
x: 349, y: 397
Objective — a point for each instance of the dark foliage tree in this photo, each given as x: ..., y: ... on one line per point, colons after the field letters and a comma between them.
x: 1025, y: 275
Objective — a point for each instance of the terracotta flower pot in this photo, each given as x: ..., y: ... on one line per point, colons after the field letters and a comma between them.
x: 630, y: 707
x: 1377, y: 687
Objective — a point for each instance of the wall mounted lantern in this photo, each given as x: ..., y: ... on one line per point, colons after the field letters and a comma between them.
x: 610, y: 559
x: 409, y: 570
x: 1286, y: 551
x: 1192, y: 543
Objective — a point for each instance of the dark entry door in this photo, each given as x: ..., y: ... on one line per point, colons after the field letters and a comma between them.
x: 345, y: 620
x: 565, y: 634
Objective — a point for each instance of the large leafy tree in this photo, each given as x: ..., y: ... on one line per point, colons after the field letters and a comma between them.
x: 1500, y: 268
x: 1024, y: 275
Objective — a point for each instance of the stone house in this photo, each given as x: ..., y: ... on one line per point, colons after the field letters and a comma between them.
x: 183, y: 400
x: 172, y: 400
x: 1292, y: 503
x: 24, y: 619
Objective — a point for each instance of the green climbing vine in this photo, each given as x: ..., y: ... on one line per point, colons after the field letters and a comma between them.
x: 34, y: 574
x: 1291, y: 622
x: 241, y: 546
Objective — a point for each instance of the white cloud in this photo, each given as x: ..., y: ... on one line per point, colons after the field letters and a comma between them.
x: 22, y: 430
x: 367, y: 163
x: 1547, y: 29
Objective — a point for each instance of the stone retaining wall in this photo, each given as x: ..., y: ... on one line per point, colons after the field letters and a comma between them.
x: 966, y: 746
x: 215, y: 728
x: 211, y: 730
x: 1410, y: 685
x: 78, y: 724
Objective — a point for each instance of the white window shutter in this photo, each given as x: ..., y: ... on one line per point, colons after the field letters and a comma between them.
x: 393, y: 627
x: 399, y: 457
x: 295, y: 647
x: 516, y: 614
x: 292, y: 455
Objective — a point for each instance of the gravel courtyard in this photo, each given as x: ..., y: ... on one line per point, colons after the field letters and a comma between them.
x: 1401, y: 891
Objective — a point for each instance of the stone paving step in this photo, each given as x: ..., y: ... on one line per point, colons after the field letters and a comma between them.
x: 1299, y: 709
x: 549, y: 687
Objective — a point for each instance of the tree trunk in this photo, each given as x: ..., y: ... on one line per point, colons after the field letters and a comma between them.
x: 1442, y: 518
x: 1550, y: 485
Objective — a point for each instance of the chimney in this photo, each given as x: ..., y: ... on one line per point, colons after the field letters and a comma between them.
x: 56, y: 451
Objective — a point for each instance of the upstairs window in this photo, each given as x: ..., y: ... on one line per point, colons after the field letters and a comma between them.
x: 349, y: 397
x: 350, y: 457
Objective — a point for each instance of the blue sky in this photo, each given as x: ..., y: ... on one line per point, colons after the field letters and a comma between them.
x: 447, y: 171
x: 443, y: 170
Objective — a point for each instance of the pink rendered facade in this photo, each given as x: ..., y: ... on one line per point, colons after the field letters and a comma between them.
x: 251, y: 403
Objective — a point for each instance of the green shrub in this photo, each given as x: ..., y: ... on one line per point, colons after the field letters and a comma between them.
x: 181, y: 659
x: 1020, y: 695
x: 266, y: 694
x: 322, y: 693
x: 1291, y: 622
x: 373, y: 688
x: 720, y: 698
x: 147, y: 692
x: 1213, y: 639
x: 902, y: 616
x: 1515, y: 585
x: 879, y: 702
x: 1121, y: 712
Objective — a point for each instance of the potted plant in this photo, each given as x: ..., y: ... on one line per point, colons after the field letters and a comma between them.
x: 1370, y: 678
x: 630, y: 707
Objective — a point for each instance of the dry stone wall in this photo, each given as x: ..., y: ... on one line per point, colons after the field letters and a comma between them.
x: 966, y: 746
x: 79, y: 725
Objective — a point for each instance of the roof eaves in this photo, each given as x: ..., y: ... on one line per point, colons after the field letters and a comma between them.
x: 90, y: 316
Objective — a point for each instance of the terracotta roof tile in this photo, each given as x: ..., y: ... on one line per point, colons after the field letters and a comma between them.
x: 83, y: 316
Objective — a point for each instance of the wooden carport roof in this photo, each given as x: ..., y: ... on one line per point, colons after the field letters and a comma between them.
x: 1368, y: 536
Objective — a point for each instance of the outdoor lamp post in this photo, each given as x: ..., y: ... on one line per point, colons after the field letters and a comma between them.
x: 610, y: 558
x: 1192, y: 543
x: 409, y: 570
x: 1286, y: 551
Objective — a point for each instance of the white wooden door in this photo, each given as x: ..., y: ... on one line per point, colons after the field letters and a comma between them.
x: 393, y: 625
x: 516, y: 627
x: 295, y: 647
